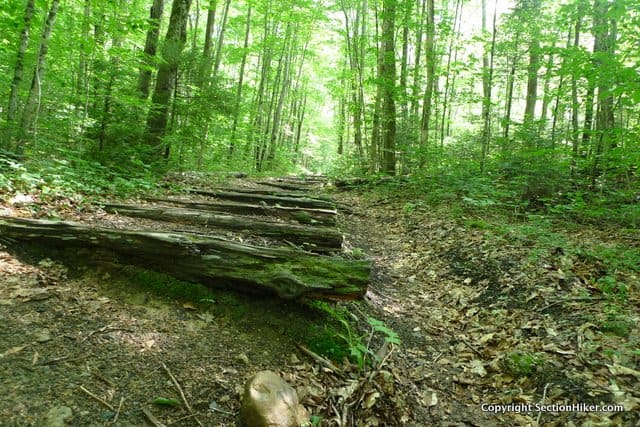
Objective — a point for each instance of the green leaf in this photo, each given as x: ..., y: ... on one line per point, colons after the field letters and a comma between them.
x: 164, y: 401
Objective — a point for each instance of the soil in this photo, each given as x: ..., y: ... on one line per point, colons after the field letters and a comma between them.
x: 481, y: 323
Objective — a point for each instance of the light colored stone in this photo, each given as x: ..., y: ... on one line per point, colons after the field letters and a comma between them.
x: 269, y: 401
x: 58, y: 416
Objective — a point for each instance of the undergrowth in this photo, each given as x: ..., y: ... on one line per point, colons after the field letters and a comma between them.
x: 66, y: 174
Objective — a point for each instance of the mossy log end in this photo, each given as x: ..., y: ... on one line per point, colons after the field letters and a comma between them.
x: 302, y: 202
x: 317, y: 239
x: 215, y: 262
x: 301, y: 215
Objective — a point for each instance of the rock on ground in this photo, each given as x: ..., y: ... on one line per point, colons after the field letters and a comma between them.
x: 269, y: 401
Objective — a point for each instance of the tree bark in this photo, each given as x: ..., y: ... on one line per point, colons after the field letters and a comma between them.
x: 150, y: 48
x: 301, y: 215
x: 429, y: 48
x: 18, y: 72
x: 215, y: 262
x: 314, y: 239
x: 534, y: 64
x: 165, y: 81
x: 388, y: 80
x: 238, y: 101
x: 302, y: 202
x: 32, y: 106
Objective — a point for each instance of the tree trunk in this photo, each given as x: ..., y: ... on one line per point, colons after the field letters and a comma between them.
x: 534, y: 66
x: 220, y: 42
x: 238, y: 101
x: 30, y: 114
x: 575, y: 106
x: 150, y: 48
x: 605, y: 39
x: 486, y: 88
x: 18, y: 70
x: 510, y: 86
x: 431, y: 78
x: 165, y: 81
x: 388, y: 82
x: 212, y: 261
x: 447, y: 89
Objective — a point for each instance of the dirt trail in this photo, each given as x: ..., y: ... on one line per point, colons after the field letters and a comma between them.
x: 94, y: 340
x: 484, y: 323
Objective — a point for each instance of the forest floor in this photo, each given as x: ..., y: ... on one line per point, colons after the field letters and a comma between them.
x: 485, y: 318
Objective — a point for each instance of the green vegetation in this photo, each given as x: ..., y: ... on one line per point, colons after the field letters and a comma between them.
x: 339, y: 338
x: 523, y: 364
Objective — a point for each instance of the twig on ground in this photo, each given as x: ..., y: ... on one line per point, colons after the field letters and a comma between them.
x: 472, y: 348
x: 115, y: 419
x: 326, y: 362
x: 180, y: 419
x: 102, y: 378
x: 108, y: 328
x: 184, y: 399
x: 544, y: 397
x: 152, y: 419
x: 104, y: 402
x: 563, y: 300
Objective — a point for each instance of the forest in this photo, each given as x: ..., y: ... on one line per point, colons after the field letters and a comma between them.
x: 465, y: 170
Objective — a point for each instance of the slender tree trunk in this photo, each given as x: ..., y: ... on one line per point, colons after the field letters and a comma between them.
x: 605, y: 35
x: 511, y: 79
x: 388, y: 80
x: 445, y: 101
x: 83, y: 65
x: 431, y: 67
x: 533, y: 67
x: 220, y: 42
x: 238, y: 102
x: 416, y: 68
x: 546, y: 95
x: 487, y: 80
x: 575, y: 106
x: 18, y: 70
x: 408, y: 8
x: 30, y: 115
x: 557, y: 109
x: 174, y: 42
x: 150, y: 48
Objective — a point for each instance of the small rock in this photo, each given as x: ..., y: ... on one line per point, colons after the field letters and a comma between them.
x: 268, y: 401
x: 58, y: 416
x: 243, y: 358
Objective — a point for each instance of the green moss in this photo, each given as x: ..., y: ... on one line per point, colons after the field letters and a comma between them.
x: 166, y: 286
x: 303, y: 218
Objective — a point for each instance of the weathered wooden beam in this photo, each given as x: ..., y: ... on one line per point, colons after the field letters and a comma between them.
x: 316, y: 239
x: 301, y: 215
x: 212, y: 261
x: 303, y: 202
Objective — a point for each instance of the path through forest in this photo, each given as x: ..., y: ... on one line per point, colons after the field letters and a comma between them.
x: 481, y: 322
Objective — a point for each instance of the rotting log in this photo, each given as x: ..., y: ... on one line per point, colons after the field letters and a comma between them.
x: 302, y: 202
x: 212, y: 261
x: 271, y: 192
x: 301, y: 215
x: 291, y: 186
x: 315, y: 239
